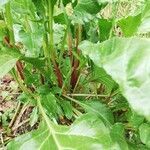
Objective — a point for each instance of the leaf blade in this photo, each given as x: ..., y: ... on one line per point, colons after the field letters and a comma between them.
x: 8, y: 59
x: 127, y: 61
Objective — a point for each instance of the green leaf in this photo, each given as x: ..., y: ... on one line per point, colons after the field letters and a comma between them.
x: 99, y: 75
x: 23, y: 7
x: 65, y: 2
x: 134, y: 119
x: 118, y: 135
x: 144, y: 131
x: 138, y: 23
x: 127, y: 61
x: 49, y: 102
x: 96, y: 107
x: 38, y: 63
x: 145, y: 21
x: 103, y: 115
x: 135, y: 146
x: 105, y: 27
x: 67, y: 108
x: 32, y: 42
x: 86, y: 133
x: 84, y: 12
x: 87, y: 6
x: 60, y: 19
x: 58, y: 33
x: 130, y: 25
x: 3, y: 30
x: 34, y: 117
x: 8, y: 59
x: 39, y: 6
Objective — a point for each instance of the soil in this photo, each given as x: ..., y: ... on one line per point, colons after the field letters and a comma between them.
x: 9, y: 93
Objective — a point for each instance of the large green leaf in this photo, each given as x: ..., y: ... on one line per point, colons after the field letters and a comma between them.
x: 88, y: 132
x: 8, y: 59
x: 127, y: 61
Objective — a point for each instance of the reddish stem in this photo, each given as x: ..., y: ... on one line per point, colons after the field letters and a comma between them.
x: 75, y: 63
x: 58, y: 74
x: 19, y: 66
x: 74, y: 74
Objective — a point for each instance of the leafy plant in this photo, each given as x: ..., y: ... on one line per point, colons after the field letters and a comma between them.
x: 86, y: 76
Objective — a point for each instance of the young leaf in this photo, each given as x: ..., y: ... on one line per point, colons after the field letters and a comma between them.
x: 127, y: 61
